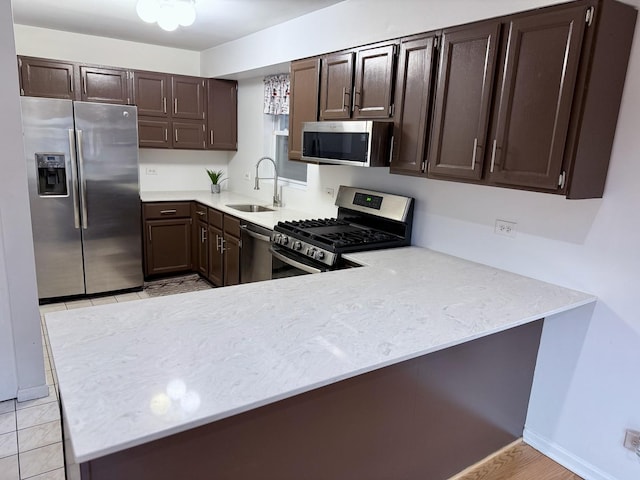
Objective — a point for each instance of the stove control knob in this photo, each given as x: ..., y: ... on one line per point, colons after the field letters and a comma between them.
x: 297, y: 245
x: 311, y: 252
x: 284, y: 240
x: 276, y: 238
x: 319, y: 255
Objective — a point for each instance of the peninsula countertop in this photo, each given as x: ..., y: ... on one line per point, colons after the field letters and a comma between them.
x: 134, y: 372
x: 220, y: 201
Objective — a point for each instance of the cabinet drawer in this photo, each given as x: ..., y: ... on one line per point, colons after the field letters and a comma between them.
x: 199, y: 212
x: 167, y: 210
x: 215, y: 218
x: 232, y: 226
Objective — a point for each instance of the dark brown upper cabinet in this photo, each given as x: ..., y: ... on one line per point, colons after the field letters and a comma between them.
x: 188, y: 134
x: 303, y: 101
x: 413, y: 100
x: 336, y: 86
x: 187, y: 95
x: 534, y: 108
x: 154, y: 132
x: 105, y: 85
x: 373, y: 84
x: 222, y: 114
x: 151, y: 93
x: 40, y: 77
x: 463, y: 100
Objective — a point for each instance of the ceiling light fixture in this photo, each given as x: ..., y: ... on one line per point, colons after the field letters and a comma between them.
x: 169, y: 14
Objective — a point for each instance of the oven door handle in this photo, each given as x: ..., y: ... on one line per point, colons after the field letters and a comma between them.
x: 294, y: 263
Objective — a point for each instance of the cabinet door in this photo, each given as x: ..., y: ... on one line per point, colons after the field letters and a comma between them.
x: 40, y: 77
x: 336, y: 86
x: 374, y: 82
x: 222, y: 114
x: 105, y: 85
x: 216, y: 264
x: 303, y: 101
x: 154, y: 132
x: 412, y: 100
x: 533, y: 110
x: 231, y: 260
x: 463, y: 100
x: 150, y: 92
x: 188, y: 135
x: 187, y: 94
x: 168, y: 245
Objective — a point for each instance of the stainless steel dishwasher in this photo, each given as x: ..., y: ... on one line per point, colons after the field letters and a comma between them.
x: 256, y: 262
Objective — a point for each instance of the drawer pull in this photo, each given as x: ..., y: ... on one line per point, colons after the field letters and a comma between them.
x: 200, y: 213
x: 168, y: 212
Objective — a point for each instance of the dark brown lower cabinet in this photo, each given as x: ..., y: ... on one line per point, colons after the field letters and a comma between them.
x: 167, y: 230
x: 231, y: 260
x: 224, y: 249
x: 216, y: 261
x: 168, y: 245
x: 425, y: 418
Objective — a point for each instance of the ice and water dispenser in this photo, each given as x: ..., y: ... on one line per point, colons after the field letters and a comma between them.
x: 52, y: 174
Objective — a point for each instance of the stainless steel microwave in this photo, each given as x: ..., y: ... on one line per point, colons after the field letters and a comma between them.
x: 355, y: 143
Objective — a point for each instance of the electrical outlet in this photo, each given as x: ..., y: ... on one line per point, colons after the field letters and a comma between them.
x: 632, y: 440
x: 505, y: 228
x: 329, y: 191
x: 151, y: 171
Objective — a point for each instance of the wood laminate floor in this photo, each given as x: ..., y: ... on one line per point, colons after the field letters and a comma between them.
x: 517, y: 461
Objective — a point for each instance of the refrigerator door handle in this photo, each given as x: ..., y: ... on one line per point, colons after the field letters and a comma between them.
x: 74, y: 176
x: 83, y: 180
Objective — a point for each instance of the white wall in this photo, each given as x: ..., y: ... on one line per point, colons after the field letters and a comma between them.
x: 586, y: 390
x: 175, y: 169
x: 21, y: 356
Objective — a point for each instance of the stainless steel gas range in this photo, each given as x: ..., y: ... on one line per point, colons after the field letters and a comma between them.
x: 366, y: 220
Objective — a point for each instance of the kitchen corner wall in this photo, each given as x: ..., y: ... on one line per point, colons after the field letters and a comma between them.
x: 586, y: 390
x: 21, y: 355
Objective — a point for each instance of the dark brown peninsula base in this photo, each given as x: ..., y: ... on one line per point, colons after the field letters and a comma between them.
x: 425, y: 418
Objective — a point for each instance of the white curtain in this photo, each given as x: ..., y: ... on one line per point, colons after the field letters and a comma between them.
x: 276, y: 94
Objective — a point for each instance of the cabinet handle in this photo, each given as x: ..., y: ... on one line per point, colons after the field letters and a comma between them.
x: 71, y: 83
x: 211, y: 136
x: 166, y: 134
x: 176, y: 134
x: 164, y: 104
x: 150, y: 237
x: 84, y: 85
x: 473, y: 158
x: 358, y: 95
x: 203, y: 235
x: 345, y: 94
x: 168, y: 212
x: 493, y: 155
x: 222, y: 247
x: 175, y: 105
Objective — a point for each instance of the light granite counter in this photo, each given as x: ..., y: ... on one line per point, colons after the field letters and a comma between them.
x: 133, y: 372
x: 220, y: 201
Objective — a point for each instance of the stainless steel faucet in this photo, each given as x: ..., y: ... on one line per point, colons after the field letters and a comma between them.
x: 276, y: 198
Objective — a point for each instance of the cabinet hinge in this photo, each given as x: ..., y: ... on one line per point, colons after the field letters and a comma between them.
x: 562, y: 179
x: 589, y: 16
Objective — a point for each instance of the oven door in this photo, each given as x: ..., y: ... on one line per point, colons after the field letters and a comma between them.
x: 288, y: 264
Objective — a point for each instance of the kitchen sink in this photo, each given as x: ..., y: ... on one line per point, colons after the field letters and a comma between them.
x: 248, y: 207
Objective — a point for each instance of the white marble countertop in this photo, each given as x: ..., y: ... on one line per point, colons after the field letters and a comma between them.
x: 220, y: 201
x: 133, y: 372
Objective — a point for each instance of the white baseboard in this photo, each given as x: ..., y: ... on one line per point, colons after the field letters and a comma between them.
x: 565, y: 458
x: 32, y: 393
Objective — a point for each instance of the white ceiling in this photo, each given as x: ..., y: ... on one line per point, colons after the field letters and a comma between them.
x: 217, y: 22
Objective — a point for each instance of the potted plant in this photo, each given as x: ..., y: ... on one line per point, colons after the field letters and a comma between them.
x: 216, y: 179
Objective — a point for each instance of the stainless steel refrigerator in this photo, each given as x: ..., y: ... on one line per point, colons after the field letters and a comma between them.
x: 82, y: 163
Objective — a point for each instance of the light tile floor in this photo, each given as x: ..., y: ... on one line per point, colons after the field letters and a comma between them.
x: 30, y: 432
